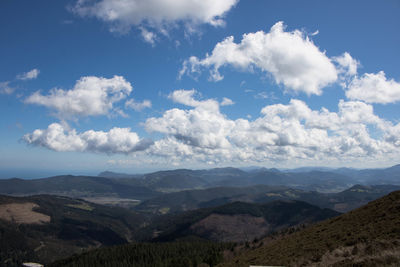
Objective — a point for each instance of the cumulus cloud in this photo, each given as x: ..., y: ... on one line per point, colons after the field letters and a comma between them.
x: 5, y: 89
x: 291, y: 58
x: 90, y: 96
x: 200, y: 133
x: 137, y: 106
x: 347, y: 64
x: 30, y: 75
x: 281, y: 133
x: 203, y: 126
x: 157, y: 14
x: 227, y: 102
x: 59, y: 137
x: 185, y: 97
x: 374, y: 88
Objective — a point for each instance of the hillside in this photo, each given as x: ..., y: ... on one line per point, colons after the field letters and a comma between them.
x: 176, y: 254
x: 44, y: 228
x: 204, y: 198
x: 234, y: 222
x: 367, y: 236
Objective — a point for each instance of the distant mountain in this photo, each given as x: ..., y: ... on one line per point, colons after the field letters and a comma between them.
x: 108, y: 174
x: 344, y: 201
x: 44, y: 228
x: 146, y: 186
x: 389, y: 175
x: 210, y: 197
x: 183, y: 179
x: 368, y: 236
x: 236, y: 221
x: 309, y: 178
x: 75, y: 186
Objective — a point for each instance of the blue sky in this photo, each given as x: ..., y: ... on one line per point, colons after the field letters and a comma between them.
x: 136, y: 86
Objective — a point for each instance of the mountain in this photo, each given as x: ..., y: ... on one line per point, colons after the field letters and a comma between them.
x: 191, y: 230
x: 234, y: 222
x: 322, y: 179
x: 108, y: 174
x: 202, y: 198
x: 367, y: 236
x: 358, y: 195
x: 75, y: 186
x: 389, y: 175
x: 145, y: 186
x: 181, y: 179
x: 344, y: 201
x: 44, y: 227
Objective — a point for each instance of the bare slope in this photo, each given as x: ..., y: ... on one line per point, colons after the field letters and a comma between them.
x: 22, y: 213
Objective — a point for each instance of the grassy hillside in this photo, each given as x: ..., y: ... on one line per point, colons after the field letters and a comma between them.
x: 44, y: 228
x: 367, y: 236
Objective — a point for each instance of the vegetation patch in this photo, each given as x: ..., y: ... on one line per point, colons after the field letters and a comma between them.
x: 82, y: 206
x: 176, y: 254
x: 164, y: 210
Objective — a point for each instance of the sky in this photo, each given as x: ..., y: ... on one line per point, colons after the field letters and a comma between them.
x: 142, y: 85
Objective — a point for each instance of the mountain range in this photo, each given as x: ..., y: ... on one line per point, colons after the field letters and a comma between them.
x: 343, y: 201
x: 51, y: 218
x: 145, y: 186
x: 367, y: 236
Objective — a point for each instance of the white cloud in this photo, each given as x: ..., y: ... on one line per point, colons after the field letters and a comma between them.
x: 137, y: 106
x: 203, y: 126
x: 5, y: 89
x: 201, y: 134
x: 157, y: 14
x: 91, y: 96
x: 347, y: 64
x: 58, y: 137
x: 282, y: 133
x: 227, y: 102
x: 291, y: 58
x: 148, y: 36
x: 185, y: 97
x: 374, y: 88
x: 30, y: 75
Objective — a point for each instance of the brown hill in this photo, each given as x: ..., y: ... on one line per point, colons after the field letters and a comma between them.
x: 367, y: 236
